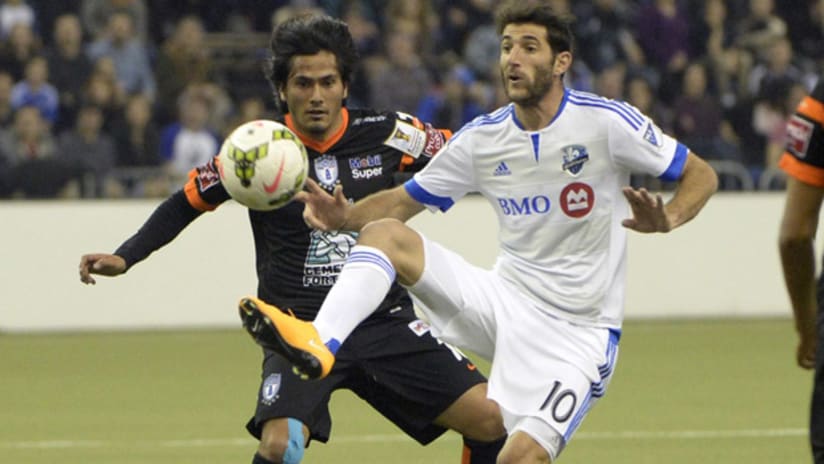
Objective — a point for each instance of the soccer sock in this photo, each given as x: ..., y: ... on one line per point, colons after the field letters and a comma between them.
x: 361, y: 286
x: 481, y: 452
x: 258, y: 459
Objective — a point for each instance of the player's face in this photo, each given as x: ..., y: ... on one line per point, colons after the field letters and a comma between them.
x: 315, y: 92
x: 529, y: 68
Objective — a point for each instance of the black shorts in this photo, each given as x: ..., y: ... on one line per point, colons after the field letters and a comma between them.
x: 391, y: 361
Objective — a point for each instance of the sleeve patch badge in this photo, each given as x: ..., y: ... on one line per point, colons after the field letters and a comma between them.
x: 407, y: 138
x: 799, y: 132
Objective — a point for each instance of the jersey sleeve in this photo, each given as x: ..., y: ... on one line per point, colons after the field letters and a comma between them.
x: 804, y: 155
x: 203, y: 189
x: 645, y: 148
x: 446, y: 179
x: 418, y: 141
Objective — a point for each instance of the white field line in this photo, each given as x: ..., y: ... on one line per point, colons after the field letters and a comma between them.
x: 397, y: 437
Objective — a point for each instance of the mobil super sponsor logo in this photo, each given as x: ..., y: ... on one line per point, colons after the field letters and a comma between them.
x: 366, y: 167
x: 576, y: 200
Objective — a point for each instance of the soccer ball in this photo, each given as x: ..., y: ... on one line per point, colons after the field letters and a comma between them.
x: 262, y: 165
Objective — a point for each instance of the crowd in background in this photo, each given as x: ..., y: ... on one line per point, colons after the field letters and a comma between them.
x: 120, y: 98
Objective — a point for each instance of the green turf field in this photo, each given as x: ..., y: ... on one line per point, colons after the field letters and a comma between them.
x: 684, y: 391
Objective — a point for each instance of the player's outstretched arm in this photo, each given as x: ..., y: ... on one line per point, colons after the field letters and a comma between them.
x: 795, y: 243
x: 102, y: 264
x: 327, y: 212
x: 649, y: 213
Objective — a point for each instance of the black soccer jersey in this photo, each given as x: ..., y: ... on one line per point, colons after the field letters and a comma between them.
x: 804, y: 158
x: 297, y: 265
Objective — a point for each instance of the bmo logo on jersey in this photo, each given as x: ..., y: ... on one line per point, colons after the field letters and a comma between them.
x: 526, y: 206
x: 577, y: 199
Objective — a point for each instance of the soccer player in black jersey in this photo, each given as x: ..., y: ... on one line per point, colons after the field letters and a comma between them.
x: 391, y: 360
x: 804, y: 164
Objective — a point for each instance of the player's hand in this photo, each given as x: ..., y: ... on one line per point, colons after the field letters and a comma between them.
x: 807, y: 345
x: 323, y: 211
x: 648, y: 212
x: 102, y: 264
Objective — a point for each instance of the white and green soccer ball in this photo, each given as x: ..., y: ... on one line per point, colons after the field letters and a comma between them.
x: 263, y: 164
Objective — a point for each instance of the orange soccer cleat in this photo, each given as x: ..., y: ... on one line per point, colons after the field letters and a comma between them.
x: 294, y: 339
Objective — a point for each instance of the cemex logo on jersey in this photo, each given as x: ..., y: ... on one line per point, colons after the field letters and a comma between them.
x: 574, y: 158
x: 799, y: 131
x: 366, y: 167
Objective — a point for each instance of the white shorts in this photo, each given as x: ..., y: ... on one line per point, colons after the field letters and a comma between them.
x: 546, y: 372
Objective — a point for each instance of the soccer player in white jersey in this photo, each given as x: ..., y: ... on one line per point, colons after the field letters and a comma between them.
x: 554, y: 164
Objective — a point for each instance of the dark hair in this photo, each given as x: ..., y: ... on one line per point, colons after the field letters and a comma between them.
x: 307, y: 35
x: 558, y: 25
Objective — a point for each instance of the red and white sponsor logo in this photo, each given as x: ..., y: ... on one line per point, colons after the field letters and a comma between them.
x: 799, y: 132
x: 435, y: 140
x: 577, y: 199
x: 207, y: 176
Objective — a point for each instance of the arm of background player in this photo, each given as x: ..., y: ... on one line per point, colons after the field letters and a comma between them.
x: 798, y: 228
x: 165, y: 223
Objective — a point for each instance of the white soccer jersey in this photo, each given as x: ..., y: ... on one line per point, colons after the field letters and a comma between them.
x: 557, y: 195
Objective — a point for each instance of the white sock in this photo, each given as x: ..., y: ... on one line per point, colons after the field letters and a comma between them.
x: 361, y: 287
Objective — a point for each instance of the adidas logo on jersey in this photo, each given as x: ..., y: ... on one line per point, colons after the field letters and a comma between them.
x: 502, y: 170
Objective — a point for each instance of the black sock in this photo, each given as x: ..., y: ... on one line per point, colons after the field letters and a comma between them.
x: 481, y: 452
x: 258, y: 459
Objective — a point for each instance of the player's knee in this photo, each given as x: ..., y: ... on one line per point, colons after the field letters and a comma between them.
x: 282, y: 441
x: 520, y: 448
x: 386, y: 234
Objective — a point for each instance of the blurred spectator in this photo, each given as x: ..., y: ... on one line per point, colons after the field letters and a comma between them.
x: 35, y: 90
x: 183, y: 60
x: 15, y: 12
x: 217, y: 100
x: 807, y: 30
x: 137, y: 140
x: 699, y: 118
x: 772, y: 110
x: 711, y: 32
x: 28, y: 150
x: 640, y: 94
x: 6, y: 110
x: 96, y: 16
x: 20, y: 46
x: 458, y: 100
x: 609, y: 83
x: 663, y: 33
x: 459, y: 19
x: 402, y: 60
x: 604, y: 35
x: 69, y: 67
x: 47, y: 12
x: 778, y: 68
x: 189, y: 142
x: 130, y: 56
x: 418, y: 19
x: 482, y: 50
x: 101, y: 91
x: 367, y: 37
x: 90, y: 152
x: 760, y: 28
x: 136, y: 135
x: 249, y: 109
